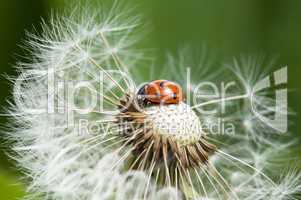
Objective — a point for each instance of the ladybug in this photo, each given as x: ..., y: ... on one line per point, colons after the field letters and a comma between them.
x: 160, y: 92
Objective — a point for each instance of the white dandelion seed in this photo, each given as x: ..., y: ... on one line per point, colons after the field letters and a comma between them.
x: 132, y: 148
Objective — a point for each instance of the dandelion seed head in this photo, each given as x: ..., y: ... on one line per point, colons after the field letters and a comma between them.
x: 121, y: 161
x: 287, y: 189
x: 177, y: 121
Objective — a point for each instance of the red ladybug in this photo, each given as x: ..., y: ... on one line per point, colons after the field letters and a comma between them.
x: 160, y: 92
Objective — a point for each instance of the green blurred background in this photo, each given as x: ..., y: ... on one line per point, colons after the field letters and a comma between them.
x: 232, y: 27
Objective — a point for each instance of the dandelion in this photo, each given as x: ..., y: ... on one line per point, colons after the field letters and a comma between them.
x: 82, y: 129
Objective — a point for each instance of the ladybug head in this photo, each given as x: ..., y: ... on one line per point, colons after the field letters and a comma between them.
x: 160, y: 92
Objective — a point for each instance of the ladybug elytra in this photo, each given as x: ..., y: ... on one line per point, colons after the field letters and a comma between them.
x: 161, y: 92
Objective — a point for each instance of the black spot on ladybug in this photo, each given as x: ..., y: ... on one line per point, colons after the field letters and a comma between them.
x: 162, y: 84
